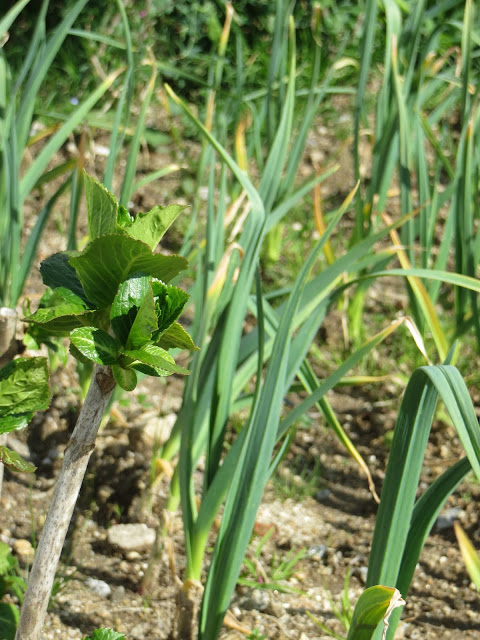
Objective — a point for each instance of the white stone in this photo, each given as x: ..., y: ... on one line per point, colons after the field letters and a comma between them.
x: 98, y: 587
x: 131, y: 537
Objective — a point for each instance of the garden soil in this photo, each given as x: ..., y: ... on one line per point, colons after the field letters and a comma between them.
x: 318, y: 510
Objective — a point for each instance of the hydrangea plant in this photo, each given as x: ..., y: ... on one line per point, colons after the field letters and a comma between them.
x: 115, y: 302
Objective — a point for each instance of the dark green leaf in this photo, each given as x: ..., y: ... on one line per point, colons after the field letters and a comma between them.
x: 101, y: 208
x: 9, y: 616
x: 96, y: 345
x: 169, y: 303
x: 144, y: 325
x: 15, y: 462
x: 176, y: 337
x: 125, y: 378
x: 150, y: 227
x: 133, y: 312
x: 158, y: 358
x: 24, y: 386
x: 109, y: 260
x: 57, y: 272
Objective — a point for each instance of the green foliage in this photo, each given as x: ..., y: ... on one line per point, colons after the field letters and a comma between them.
x: 9, y: 616
x: 404, y: 521
x: 24, y: 389
x: 276, y: 573
x: 18, y: 93
x: 11, y: 580
x: 117, y: 283
x: 105, y: 634
x: 374, y: 606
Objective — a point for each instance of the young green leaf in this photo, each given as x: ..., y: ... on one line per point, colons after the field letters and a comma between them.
x: 159, y: 359
x: 176, y: 337
x: 150, y: 227
x: 105, y: 634
x: 62, y: 319
x: 96, y: 345
x: 125, y: 378
x: 102, y: 208
x: 14, y: 423
x: 9, y: 616
x: 109, y: 260
x: 169, y: 303
x: 24, y: 386
x: 374, y: 605
x: 13, y: 461
x: 134, y: 294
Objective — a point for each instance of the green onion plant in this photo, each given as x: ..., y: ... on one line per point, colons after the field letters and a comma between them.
x: 417, y: 163
x: 254, y: 371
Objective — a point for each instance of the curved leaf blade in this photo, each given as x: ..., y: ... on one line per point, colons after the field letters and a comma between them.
x: 96, y: 345
x: 109, y: 260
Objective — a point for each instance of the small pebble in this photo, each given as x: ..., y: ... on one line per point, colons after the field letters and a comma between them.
x: 98, y: 587
x: 23, y: 550
x: 131, y: 537
x: 322, y: 495
x: 448, y: 517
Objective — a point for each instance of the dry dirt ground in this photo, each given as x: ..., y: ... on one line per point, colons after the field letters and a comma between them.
x: 331, y: 524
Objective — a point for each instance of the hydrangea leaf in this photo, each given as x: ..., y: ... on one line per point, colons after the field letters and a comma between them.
x: 62, y: 319
x: 102, y: 207
x: 57, y: 272
x: 124, y: 219
x: 9, y: 616
x: 125, y: 378
x: 108, y: 261
x: 15, y: 422
x: 169, y: 303
x: 157, y: 358
x: 96, y: 345
x: 14, y: 462
x: 176, y: 337
x: 150, y: 227
x: 24, y: 386
x: 133, y: 312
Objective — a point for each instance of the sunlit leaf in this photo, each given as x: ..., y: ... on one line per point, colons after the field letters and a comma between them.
x: 101, y: 208
x: 150, y: 227
x: 157, y: 358
x: 96, y: 345
x: 169, y: 303
x: 24, y: 386
x: 470, y: 555
x: 133, y: 294
x: 13, y: 461
x: 374, y: 606
x: 109, y: 260
x: 176, y: 337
